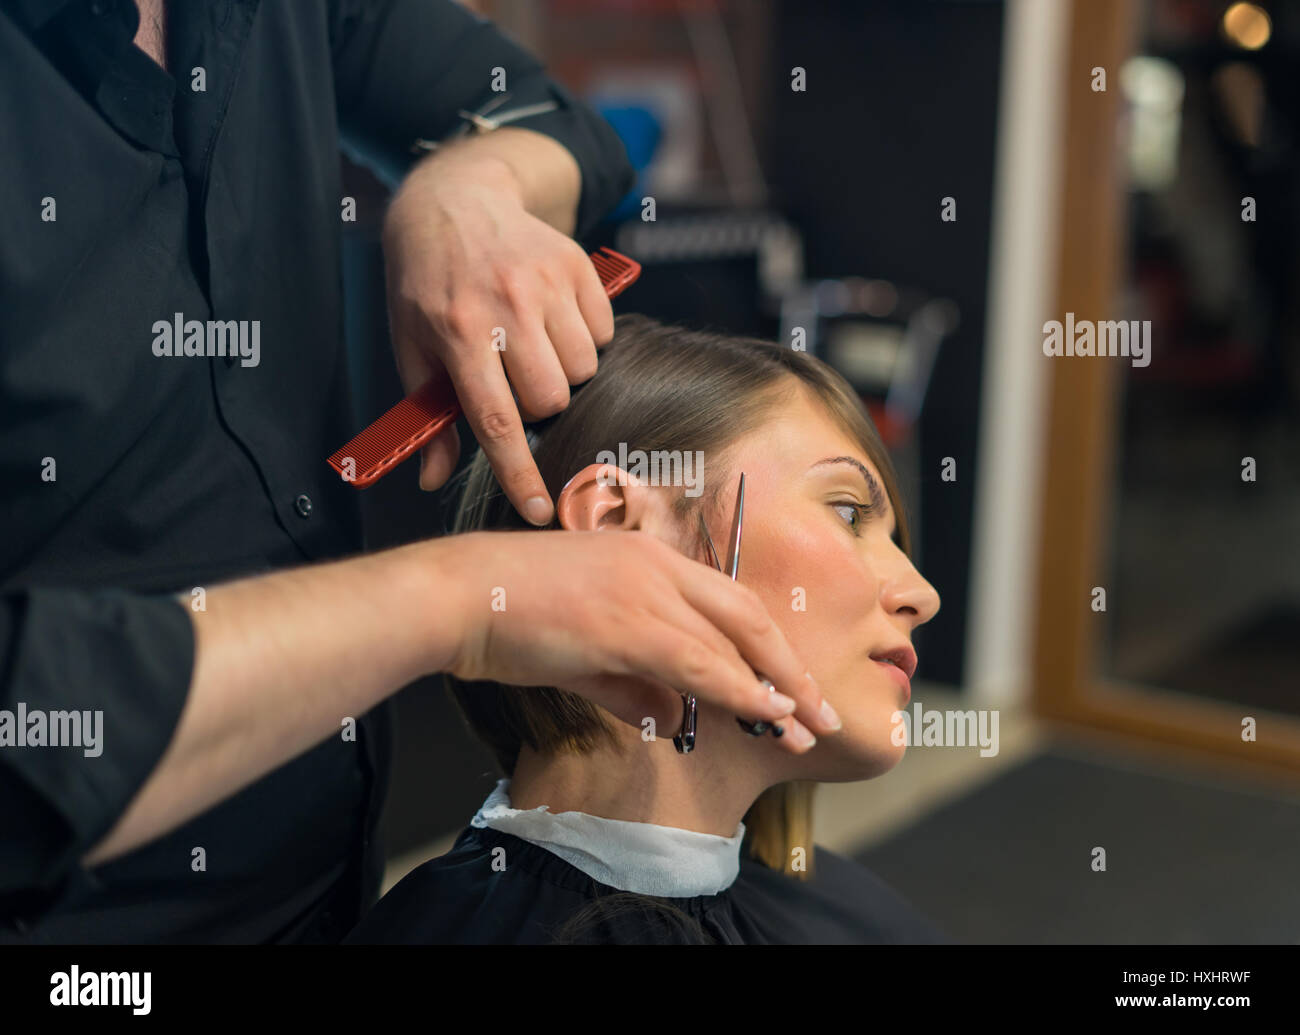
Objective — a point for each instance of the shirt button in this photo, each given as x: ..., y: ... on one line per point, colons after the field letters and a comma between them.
x: 96, y: 8
x: 303, y: 505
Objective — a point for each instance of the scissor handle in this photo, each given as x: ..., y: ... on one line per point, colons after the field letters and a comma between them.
x: 684, y: 741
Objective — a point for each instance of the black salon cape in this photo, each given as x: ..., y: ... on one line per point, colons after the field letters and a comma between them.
x: 460, y: 898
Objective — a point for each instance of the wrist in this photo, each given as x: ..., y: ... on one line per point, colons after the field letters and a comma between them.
x: 437, y: 580
x: 468, y: 164
x: 527, y: 168
x: 442, y: 185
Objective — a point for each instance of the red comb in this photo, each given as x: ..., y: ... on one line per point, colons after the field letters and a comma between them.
x: 430, y: 408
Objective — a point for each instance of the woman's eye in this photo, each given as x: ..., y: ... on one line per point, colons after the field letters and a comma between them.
x: 855, y: 514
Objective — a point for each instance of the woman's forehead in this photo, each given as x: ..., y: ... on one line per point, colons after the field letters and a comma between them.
x: 796, y: 439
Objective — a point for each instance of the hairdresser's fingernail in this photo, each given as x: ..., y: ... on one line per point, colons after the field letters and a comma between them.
x: 781, y: 704
x: 537, y: 510
x: 801, y: 734
x: 829, y: 717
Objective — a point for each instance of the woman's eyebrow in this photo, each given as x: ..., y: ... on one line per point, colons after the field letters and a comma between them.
x: 873, y: 486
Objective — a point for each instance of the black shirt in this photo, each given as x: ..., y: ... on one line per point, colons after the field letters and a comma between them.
x: 467, y: 897
x: 127, y: 197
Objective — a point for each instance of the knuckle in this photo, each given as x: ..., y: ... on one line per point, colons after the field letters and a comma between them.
x: 575, y: 261
x: 552, y: 401
x: 584, y: 367
x: 406, y: 295
x: 624, y: 656
x: 575, y: 253
x: 495, y: 425
x: 456, y: 318
x: 554, y: 274
x: 604, y: 316
x: 619, y: 635
x: 513, y: 285
x: 603, y: 331
x: 694, y: 662
x: 522, y: 482
x: 757, y: 621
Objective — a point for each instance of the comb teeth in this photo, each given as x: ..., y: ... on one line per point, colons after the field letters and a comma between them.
x: 430, y: 408
x: 399, y: 432
x: 616, y: 271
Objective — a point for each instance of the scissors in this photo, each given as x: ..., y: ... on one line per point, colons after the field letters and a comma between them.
x: 684, y: 741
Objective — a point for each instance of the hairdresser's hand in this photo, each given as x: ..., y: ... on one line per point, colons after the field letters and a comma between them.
x: 499, y: 299
x: 627, y: 621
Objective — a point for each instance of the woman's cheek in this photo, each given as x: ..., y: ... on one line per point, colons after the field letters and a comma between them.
x: 814, y: 591
x: 783, y: 562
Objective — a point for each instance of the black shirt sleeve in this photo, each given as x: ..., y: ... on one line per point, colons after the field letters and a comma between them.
x: 404, y: 68
x: 124, y: 661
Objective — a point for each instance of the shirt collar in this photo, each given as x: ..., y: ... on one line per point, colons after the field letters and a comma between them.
x: 645, y: 858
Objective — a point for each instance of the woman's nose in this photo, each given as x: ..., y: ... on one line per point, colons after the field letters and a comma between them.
x: 907, y: 593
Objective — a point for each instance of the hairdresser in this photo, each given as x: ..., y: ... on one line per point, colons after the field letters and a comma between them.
x: 177, y: 563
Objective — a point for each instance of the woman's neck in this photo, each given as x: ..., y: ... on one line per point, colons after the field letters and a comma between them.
x: 646, y: 783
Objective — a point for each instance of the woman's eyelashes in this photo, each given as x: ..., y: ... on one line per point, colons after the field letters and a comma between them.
x: 859, y: 514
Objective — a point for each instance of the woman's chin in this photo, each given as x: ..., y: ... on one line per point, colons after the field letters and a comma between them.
x: 852, y: 755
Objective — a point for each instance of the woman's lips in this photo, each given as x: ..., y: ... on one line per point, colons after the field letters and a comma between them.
x: 899, y: 677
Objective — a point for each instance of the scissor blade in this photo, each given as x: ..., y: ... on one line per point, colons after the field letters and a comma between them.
x: 713, y: 551
x: 733, y: 561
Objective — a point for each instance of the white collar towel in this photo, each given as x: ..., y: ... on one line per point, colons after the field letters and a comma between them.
x: 640, y: 857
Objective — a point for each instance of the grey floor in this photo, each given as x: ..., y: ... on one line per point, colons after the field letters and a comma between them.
x: 1189, y: 860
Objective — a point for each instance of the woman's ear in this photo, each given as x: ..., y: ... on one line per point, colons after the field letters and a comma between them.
x: 599, y: 496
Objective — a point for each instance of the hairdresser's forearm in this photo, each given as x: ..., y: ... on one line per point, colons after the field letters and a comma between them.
x: 280, y: 662
x: 535, y: 169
